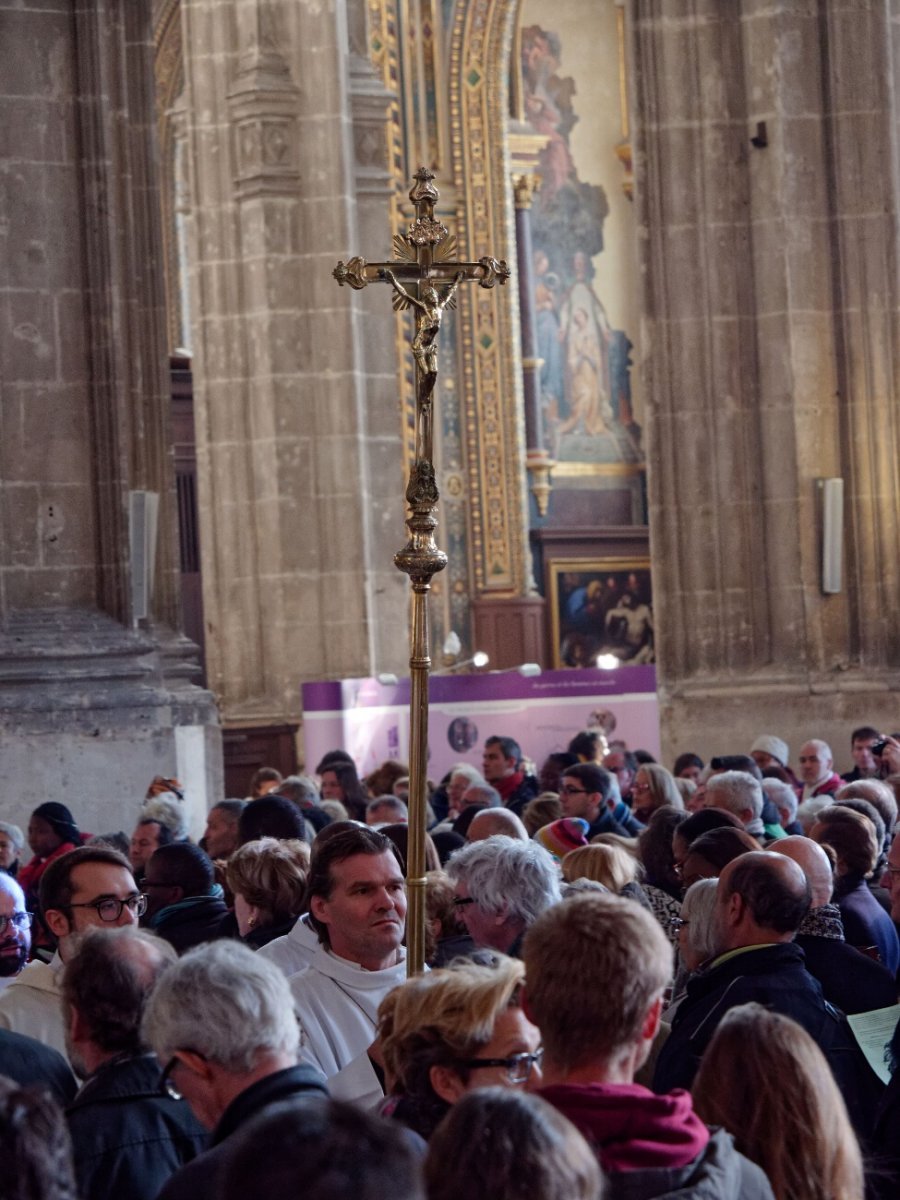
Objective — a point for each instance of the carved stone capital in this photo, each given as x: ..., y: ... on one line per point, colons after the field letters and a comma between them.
x: 525, y: 186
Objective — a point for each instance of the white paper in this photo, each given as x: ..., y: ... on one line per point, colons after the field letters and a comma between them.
x: 873, y: 1030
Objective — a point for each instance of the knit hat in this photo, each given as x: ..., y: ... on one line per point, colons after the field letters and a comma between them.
x: 559, y: 837
x: 769, y: 744
x: 60, y: 820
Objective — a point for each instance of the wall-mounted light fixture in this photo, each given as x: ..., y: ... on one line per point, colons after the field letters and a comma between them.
x: 831, y: 493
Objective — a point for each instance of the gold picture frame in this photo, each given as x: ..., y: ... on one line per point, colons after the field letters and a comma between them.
x: 601, y: 606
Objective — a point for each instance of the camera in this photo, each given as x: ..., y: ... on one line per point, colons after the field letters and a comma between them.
x: 878, y: 747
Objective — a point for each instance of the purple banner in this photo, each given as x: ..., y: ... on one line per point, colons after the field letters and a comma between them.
x: 370, y: 719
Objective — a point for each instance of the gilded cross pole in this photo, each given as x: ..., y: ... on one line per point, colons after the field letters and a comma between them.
x: 425, y: 276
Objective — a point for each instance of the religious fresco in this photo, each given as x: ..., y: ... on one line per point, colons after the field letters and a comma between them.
x: 586, y: 378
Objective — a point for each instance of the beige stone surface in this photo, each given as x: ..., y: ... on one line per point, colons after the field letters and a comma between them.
x: 771, y: 318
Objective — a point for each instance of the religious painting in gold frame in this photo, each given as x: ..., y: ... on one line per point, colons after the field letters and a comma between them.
x: 600, y: 606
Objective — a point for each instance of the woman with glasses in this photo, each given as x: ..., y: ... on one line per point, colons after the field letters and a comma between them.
x: 654, y: 787
x: 695, y: 931
x: 448, y: 1032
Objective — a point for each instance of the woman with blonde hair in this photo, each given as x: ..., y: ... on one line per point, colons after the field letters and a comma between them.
x: 268, y: 880
x: 654, y: 787
x: 608, y: 864
x: 447, y: 1032
x: 766, y: 1081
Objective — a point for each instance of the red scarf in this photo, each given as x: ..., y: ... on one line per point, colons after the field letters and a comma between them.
x: 509, y: 784
x: 631, y: 1128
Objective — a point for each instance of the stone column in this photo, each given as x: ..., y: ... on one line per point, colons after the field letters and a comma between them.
x: 91, y: 705
x: 769, y: 281
x: 295, y: 450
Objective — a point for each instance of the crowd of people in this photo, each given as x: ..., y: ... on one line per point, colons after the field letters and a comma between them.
x: 640, y: 984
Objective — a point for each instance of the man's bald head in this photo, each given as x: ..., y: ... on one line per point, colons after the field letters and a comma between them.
x: 15, y: 939
x: 761, y: 898
x: 107, y: 982
x: 812, y: 861
x: 491, y: 821
x: 11, y: 887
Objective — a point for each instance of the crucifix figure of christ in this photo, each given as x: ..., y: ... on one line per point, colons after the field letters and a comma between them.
x: 425, y: 276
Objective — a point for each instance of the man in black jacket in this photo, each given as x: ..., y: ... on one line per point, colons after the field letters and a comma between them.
x: 184, y: 902
x: 127, y: 1137
x: 222, y: 1019
x: 30, y: 1063
x: 761, y: 901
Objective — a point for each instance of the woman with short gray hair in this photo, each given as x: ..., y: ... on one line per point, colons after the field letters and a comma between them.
x: 696, y: 937
x: 12, y: 843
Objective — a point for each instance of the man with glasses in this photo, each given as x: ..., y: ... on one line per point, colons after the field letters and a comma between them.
x: 501, y: 887
x: 222, y: 1021
x: 88, y: 886
x: 15, y: 930
x: 585, y: 791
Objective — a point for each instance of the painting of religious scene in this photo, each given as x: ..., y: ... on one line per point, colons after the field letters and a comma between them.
x: 586, y: 384
x: 602, y: 607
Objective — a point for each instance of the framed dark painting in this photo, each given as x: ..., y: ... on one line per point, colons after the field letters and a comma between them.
x: 600, y: 606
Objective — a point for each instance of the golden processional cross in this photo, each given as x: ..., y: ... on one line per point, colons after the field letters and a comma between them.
x: 424, y: 276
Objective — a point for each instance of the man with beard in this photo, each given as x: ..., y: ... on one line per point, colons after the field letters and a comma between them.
x: 128, y: 1133
x: 91, y: 885
x: 15, y: 930
x: 23, y: 1058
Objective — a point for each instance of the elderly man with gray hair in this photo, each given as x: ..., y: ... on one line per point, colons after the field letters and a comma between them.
x: 738, y: 793
x: 785, y: 800
x: 502, y: 887
x: 222, y: 1020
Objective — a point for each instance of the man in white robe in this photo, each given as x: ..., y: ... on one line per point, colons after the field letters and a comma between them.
x: 357, y: 907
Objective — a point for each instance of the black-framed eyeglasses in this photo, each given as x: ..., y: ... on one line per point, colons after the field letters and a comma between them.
x: 21, y: 920
x: 570, y: 791
x: 166, y: 1084
x: 109, y: 908
x: 462, y: 901
x: 518, y: 1066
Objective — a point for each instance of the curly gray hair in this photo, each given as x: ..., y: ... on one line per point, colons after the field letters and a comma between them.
x: 517, y: 878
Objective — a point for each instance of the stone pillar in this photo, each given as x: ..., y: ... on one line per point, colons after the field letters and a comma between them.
x: 295, y: 450
x: 91, y: 706
x: 769, y: 291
